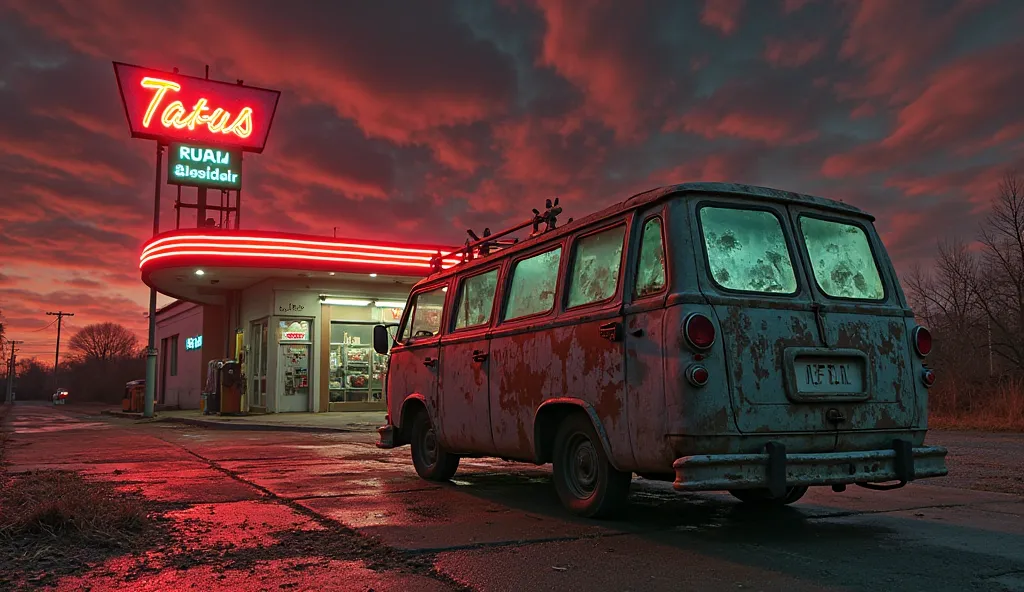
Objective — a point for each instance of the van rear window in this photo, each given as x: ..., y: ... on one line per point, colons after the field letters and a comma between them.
x: 841, y: 258
x: 747, y: 250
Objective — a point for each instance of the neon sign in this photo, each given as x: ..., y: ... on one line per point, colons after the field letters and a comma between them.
x: 170, y: 107
x: 216, y: 121
x: 199, y: 166
x: 194, y: 342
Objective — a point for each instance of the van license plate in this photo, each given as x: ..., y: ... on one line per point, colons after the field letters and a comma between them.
x: 829, y: 375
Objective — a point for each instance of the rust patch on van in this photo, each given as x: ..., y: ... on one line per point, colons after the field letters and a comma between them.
x: 800, y: 335
x: 758, y: 349
x: 855, y: 335
x: 737, y: 324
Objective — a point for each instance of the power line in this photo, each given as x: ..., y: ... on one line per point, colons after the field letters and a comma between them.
x: 46, y: 327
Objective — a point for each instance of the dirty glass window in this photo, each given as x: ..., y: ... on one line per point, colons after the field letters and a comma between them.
x: 595, y: 267
x: 841, y: 258
x: 650, y: 269
x: 425, y: 316
x: 476, y: 300
x: 533, y: 285
x: 747, y: 250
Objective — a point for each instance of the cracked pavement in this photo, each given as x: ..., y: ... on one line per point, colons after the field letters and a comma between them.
x: 274, y: 510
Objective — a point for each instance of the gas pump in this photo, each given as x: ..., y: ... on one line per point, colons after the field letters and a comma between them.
x: 223, y: 394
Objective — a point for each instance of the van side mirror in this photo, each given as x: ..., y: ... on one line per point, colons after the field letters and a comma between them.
x: 381, y: 339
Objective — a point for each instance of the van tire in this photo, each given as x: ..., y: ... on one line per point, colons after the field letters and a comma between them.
x: 586, y: 482
x: 764, y: 497
x: 432, y: 462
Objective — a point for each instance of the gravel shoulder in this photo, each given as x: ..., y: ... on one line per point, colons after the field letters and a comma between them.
x: 982, y: 461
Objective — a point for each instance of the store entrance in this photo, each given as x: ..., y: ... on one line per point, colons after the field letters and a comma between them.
x: 356, y: 371
x: 294, y: 375
x: 294, y: 372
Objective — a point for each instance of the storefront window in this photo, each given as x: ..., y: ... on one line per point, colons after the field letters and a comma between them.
x: 356, y: 370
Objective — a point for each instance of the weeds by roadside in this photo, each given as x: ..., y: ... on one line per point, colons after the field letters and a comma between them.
x: 964, y: 405
x: 54, y: 523
x: 980, y: 423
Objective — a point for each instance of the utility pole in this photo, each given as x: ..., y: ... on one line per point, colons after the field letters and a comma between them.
x: 11, y: 372
x: 60, y: 314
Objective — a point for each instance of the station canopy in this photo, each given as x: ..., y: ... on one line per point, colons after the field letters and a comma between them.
x: 203, y: 265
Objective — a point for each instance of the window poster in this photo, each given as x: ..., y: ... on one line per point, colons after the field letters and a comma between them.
x: 293, y: 331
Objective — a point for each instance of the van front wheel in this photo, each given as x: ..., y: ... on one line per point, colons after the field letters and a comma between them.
x: 430, y: 459
x: 586, y: 482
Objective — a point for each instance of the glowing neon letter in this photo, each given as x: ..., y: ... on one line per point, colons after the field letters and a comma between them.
x: 161, y: 87
x: 172, y: 115
x: 242, y: 126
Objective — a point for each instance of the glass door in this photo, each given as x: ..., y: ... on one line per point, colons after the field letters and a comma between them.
x: 295, y: 379
x: 258, y: 390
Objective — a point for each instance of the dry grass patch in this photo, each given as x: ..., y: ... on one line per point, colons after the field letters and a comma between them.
x: 54, y: 523
x: 61, y: 505
x: 966, y: 405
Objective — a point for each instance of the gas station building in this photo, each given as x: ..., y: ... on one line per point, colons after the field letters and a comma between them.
x: 296, y: 311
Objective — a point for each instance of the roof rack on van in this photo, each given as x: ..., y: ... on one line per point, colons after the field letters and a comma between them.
x: 490, y: 243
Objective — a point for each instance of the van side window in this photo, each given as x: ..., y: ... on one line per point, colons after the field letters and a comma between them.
x: 425, y: 314
x: 595, y: 267
x: 747, y: 250
x: 532, y: 290
x: 476, y: 299
x: 650, y: 269
x: 841, y: 258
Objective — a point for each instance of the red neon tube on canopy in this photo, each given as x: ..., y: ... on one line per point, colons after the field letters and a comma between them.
x: 254, y: 249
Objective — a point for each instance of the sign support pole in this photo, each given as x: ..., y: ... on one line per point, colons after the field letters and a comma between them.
x: 147, y: 410
x: 238, y: 201
x: 201, y: 208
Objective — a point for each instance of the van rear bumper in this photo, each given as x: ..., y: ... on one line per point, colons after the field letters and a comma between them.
x: 776, y: 470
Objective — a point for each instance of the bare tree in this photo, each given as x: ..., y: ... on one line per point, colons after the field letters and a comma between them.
x: 103, y: 342
x: 947, y: 299
x: 1000, y: 280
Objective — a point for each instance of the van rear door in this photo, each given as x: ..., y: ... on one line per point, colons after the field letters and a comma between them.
x: 861, y: 311
x: 798, y: 361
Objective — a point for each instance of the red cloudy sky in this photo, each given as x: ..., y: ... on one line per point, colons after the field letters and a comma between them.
x: 416, y: 120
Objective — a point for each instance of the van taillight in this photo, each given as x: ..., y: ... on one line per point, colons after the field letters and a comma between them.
x: 922, y: 341
x: 697, y: 375
x: 699, y: 331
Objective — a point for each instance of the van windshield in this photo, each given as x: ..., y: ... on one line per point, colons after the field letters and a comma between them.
x: 841, y: 258
x: 747, y: 250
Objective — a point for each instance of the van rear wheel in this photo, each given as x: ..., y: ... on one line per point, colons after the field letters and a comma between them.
x: 764, y: 497
x: 586, y: 482
x: 430, y: 459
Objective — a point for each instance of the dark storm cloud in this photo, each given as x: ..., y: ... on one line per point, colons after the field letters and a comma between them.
x: 418, y: 120
x: 316, y: 148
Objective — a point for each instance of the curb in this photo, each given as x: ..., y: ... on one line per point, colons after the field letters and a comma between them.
x: 242, y: 426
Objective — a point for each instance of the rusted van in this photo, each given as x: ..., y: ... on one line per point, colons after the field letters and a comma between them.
x: 719, y: 336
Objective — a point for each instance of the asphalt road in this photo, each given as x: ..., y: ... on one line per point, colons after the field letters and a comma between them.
x: 498, y: 525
